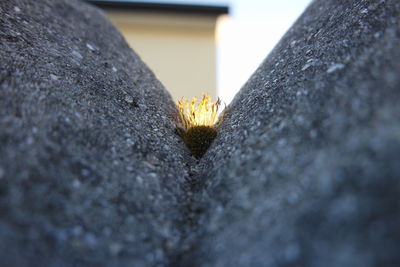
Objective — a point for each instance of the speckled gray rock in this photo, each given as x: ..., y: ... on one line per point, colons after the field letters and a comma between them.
x: 91, y: 171
x: 305, y: 170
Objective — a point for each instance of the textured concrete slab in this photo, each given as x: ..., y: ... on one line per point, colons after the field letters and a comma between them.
x: 305, y: 170
x: 91, y: 171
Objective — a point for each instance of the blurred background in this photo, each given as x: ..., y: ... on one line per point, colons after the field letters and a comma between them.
x: 203, y: 46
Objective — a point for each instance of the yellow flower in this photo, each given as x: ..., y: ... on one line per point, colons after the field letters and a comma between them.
x: 203, y: 114
x: 199, y: 122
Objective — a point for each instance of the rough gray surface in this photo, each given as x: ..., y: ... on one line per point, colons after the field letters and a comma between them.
x: 305, y: 170
x: 91, y: 171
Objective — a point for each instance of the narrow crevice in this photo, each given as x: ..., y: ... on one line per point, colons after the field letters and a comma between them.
x: 193, y: 208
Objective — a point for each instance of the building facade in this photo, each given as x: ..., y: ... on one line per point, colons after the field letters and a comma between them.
x: 178, y: 42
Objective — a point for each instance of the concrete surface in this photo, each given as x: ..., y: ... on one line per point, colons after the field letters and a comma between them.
x: 304, y: 170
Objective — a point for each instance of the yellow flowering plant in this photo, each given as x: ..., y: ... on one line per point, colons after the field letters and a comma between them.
x: 198, y: 123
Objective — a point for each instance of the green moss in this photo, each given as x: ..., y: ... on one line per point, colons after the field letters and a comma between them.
x: 198, y: 139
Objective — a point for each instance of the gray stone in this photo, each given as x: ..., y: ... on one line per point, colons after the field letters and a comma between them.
x: 85, y: 178
x: 305, y: 169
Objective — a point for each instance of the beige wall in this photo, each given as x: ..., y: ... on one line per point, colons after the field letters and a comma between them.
x: 179, y: 48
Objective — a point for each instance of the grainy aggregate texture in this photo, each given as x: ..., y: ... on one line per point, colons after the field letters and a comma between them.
x: 306, y: 168
x: 304, y: 171
x: 91, y: 172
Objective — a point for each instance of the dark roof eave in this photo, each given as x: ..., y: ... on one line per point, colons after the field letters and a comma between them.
x: 161, y: 7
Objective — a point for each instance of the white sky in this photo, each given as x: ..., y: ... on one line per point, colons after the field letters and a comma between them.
x: 253, y: 28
